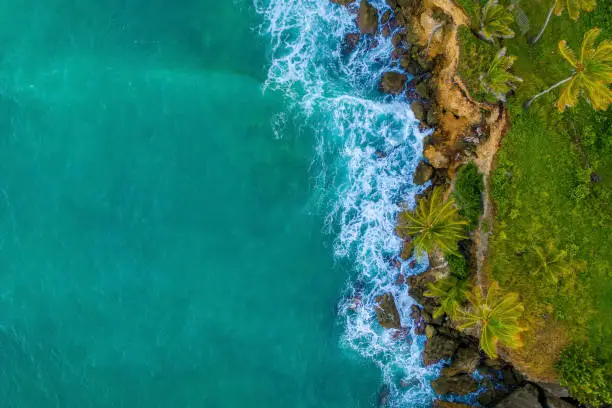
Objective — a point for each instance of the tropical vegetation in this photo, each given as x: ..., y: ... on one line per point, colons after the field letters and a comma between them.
x: 498, y: 80
x: 469, y: 186
x: 591, y: 76
x: 495, y: 21
x: 574, y: 7
x: 451, y: 293
x: 551, y: 183
x: 496, y: 315
x: 435, y: 224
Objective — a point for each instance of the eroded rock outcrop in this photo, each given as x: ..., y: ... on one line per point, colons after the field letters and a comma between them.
x: 386, y: 312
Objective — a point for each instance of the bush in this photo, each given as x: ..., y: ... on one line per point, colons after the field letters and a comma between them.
x: 584, y: 375
x: 468, y: 192
x: 458, y: 266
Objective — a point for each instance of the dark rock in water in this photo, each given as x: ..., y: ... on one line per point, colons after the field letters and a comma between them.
x: 523, y: 397
x: 555, y: 390
x: 350, y: 42
x: 439, y: 347
x: 342, y: 2
x: 385, y: 17
x: 383, y: 396
x: 398, y: 39
x: 422, y: 89
x: 446, y: 404
x: 465, y: 361
x: 419, y: 110
x: 462, y: 384
x: 420, y: 325
x: 386, y: 312
x: 393, y: 82
x: 407, y: 249
x: 400, y: 279
x: 424, y: 172
x: 432, y: 120
x: 412, y: 264
x: 368, y: 18
x: 386, y: 31
x: 381, y: 154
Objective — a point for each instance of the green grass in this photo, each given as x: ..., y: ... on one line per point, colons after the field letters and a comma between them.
x: 542, y: 183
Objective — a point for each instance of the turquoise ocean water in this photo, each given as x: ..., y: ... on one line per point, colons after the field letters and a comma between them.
x: 190, y: 199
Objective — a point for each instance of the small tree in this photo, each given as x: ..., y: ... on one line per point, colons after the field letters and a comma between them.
x: 433, y: 224
x: 574, y: 7
x: 497, y: 317
x: 495, y: 22
x: 591, y: 76
x: 552, y: 264
x: 451, y: 292
x: 498, y: 81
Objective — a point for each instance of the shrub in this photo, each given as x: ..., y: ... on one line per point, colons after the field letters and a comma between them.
x: 458, y: 266
x: 584, y: 375
x: 468, y: 192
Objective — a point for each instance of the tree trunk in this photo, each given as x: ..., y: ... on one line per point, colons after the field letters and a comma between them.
x: 530, y: 101
x: 537, y: 37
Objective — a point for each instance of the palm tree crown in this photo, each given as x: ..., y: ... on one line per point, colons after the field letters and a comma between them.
x: 451, y: 292
x: 495, y: 21
x: 498, y: 81
x: 434, y: 224
x: 591, y: 77
x: 574, y: 7
x: 497, y: 316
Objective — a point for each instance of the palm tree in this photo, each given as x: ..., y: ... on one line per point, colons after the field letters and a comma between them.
x: 497, y: 80
x: 591, y: 77
x: 495, y: 22
x: 497, y: 317
x: 574, y: 7
x: 451, y: 292
x: 552, y: 263
x: 434, y: 224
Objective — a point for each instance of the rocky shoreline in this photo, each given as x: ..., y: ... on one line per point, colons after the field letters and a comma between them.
x: 426, y: 49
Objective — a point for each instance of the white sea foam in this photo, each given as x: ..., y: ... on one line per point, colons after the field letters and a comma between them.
x: 367, y: 152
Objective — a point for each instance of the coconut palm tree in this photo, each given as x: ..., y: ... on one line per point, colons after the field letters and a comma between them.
x: 451, y: 292
x: 574, y: 7
x: 496, y: 316
x: 434, y: 224
x: 591, y: 76
x: 497, y: 80
x: 495, y: 22
x: 552, y: 263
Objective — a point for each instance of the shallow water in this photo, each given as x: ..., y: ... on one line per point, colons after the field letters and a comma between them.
x: 190, y: 196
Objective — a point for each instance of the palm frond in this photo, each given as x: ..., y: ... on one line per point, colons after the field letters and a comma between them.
x: 497, y: 80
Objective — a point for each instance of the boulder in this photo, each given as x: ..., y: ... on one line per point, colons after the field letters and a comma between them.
x: 400, y: 279
x: 436, y: 158
x: 393, y: 82
x: 423, y: 173
x: 462, y: 384
x: 432, y: 120
x: 446, y: 404
x: 556, y: 402
x: 465, y: 361
x: 342, y: 2
x: 398, y: 39
x: 407, y: 249
x: 386, y: 312
x: 368, y: 18
x: 422, y: 89
x: 350, y: 42
x: 419, y: 323
x: 554, y: 389
x: 439, y: 347
x: 523, y: 397
x: 385, y: 17
x: 419, y: 110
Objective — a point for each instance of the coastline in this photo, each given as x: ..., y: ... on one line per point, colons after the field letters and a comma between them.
x: 464, y: 131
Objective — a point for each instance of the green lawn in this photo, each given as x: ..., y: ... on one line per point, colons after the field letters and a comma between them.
x: 542, y: 185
